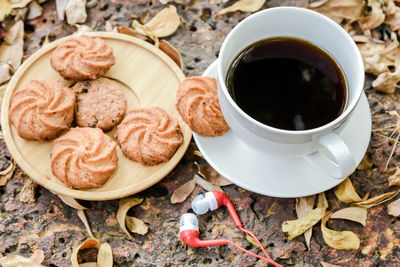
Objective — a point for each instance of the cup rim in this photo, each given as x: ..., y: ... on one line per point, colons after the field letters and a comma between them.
x: 343, y: 115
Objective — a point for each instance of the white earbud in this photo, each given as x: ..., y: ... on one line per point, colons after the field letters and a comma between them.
x: 203, y: 203
x: 188, y: 221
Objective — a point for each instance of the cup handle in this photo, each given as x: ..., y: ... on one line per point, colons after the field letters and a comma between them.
x: 343, y: 164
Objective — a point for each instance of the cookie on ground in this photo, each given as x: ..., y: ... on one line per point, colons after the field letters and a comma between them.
x: 42, y: 109
x: 149, y: 136
x: 100, y: 103
x: 197, y: 103
x: 83, y: 158
x: 82, y: 58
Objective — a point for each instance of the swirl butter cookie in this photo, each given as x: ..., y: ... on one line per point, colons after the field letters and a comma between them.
x: 100, y: 103
x: 197, y: 103
x: 149, y: 136
x: 84, y: 158
x: 82, y: 58
x: 42, y: 109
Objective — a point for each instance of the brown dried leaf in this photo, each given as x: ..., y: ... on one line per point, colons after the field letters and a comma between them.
x: 244, y: 6
x: 377, y: 200
x: 71, y: 202
x: 394, y: 179
x: 297, y: 227
x: 366, y: 163
x: 165, y: 23
x: 211, y: 175
x: 206, y: 185
x: 27, y: 194
x: 386, y: 82
x: 394, y: 208
x: 19, y: 3
x: 392, y: 15
x: 171, y: 51
x: 88, y: 243
x: 82, y: 216
x: 338, y: 239
x: 4, y: 73
x: 375, y: 16
x: 303, y: 206
x: 5, y: 9
x: 183, y: 191
x: 75, y: 10
x: 132, y: 32
x: 18, y: 261
x: 124, y: 205
x: 355, y: 214
x: 19, y: 13
x: 340, y: 9
x: 346, y: 193
x: 325, y: 264
x: 136, y: 225
x: 104, y: 256
x: 5, y: 175
x: 12, y: 49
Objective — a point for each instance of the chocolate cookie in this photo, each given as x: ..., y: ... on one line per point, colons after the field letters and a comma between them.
x: 42, y: 109
x: 149, y: 136
x: 197, y: 103
x: 99, y: 103
x: 83, y: 158
x: 82, y: 58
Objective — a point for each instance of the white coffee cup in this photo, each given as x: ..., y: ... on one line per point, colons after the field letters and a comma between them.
x: 321, y: 146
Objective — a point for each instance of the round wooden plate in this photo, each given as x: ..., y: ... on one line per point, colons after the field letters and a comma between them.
x: 148, y: 78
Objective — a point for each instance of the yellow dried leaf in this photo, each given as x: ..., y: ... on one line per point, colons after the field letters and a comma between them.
x: 346, y: 193
x: 355, y: 214
x: 5, y: 9
x: 19, y: 3
x: 366, y: 163
x: 374, y: 18
x: 340, y: 9
x: 165, y: 23
x: 205, y: 184
x: 27, y: 194
x: 394, y: 208
x: 325, y: 264
x: 211, y: 175
x: 105, y: 257
x: 5, y: 175
x: 136, y: 225
x: 377, y: 200
x: 124, y: 205
x: 243, y: 5
x: 18, y: 261
x: 394, y: 179
x: 88, y: 243
x: 71, y: 202
x: 303, y: 206
x: 171, y: 51
x: 297, y: 227
x: 12, y: 49
x: 82, y: 216
x: 252, y: 241
x: 198, y: 153
x: 183, y: 191
x: 338, y: 239
x: 322, y: 202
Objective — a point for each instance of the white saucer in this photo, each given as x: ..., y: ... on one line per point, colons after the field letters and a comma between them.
x: 265, y: 174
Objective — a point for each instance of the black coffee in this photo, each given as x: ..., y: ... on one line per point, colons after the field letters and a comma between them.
x: 287, y: 83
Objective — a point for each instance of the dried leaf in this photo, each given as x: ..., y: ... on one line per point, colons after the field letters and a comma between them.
x: 124, y: 205
x: 5, y: 175
x: 183, y: 191
x: 82, y: 29
x: 18, y: 261
x: 136, y: 225
x: 27, y: 194
x: 82, y: 216
x: 89, y: 243
x: 198, y: 153
x: 366, y: 163
x: 252, y: 241
x: 346, y: 193
x: 19, y: 13
x: 60, y: 7
x: 297, y: 227
x: 19, y: 3
x: 374, y: 18
x: 243, y: 5
x: 394, y: 179
x: 12, y: 49
x: 325, y: 264
x: 92, y: 3
x: 338, y: 239
x: 386, y: 82
x: 104, y: 256
x: 211, y: 175
x: 171, y: 51
x: 392, y: 15
x: 394, y: 208
x: 206, y: 185
x: 303, y: 206
x: 165, y: 23
x: 75, y: 10
x: 71, y: 202
x: 377, y: 200
x: 322, y: 202
x: 35, y: 10
x: 355, y: 214
x: 5, y: 9
x: 132, y: 32
x: 339, y: 9
x: 4, y: 73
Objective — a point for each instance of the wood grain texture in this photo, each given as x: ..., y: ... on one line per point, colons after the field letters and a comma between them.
x: 148, y: 78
